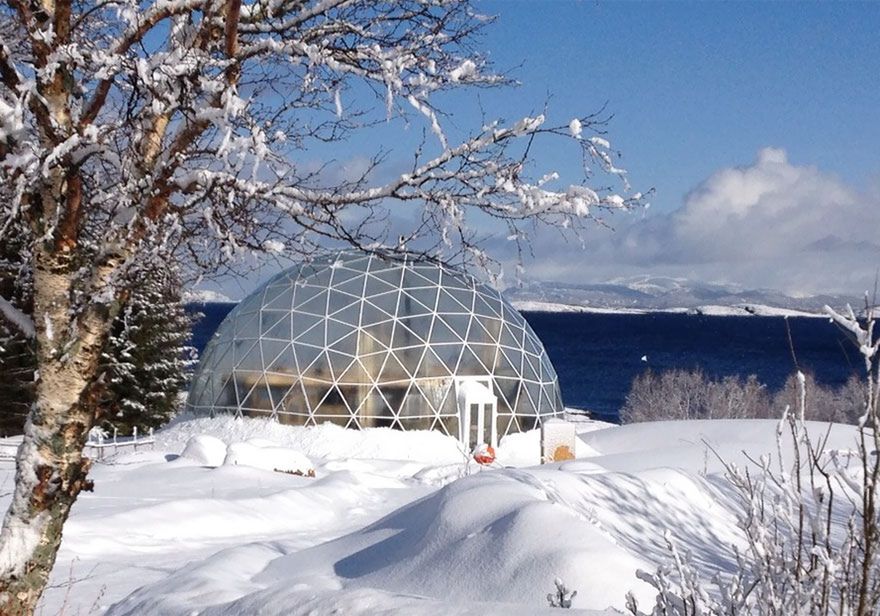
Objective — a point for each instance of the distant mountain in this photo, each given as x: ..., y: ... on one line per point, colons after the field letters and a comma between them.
x: 658, y: 293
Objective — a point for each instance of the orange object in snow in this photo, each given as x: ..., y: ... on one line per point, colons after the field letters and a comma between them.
x: 484, y: 454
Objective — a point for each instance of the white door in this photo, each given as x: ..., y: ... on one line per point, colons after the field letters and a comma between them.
x: 477, y: 411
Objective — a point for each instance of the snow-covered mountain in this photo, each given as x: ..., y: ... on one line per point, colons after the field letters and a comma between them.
x: 657, y: 293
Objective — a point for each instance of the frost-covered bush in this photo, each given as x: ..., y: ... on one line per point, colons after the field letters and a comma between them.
x: 844, y: 404
x: 562, y: 597
x: 810, y: 519
x: 690, y: 394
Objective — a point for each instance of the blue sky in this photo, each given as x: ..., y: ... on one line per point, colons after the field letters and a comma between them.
x: 756, y: 123
x: 699, y: 86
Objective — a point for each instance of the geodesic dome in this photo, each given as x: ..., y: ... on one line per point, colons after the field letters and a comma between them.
x: 362, y: 341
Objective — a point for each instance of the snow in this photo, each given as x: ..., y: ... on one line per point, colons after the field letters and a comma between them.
x: 575, y: 128
x: 738, y: 310
x: 206, y: 296
x: 205, y: 449
x: 392, y: 521
x: 19, y: 319
x: 260, y: 454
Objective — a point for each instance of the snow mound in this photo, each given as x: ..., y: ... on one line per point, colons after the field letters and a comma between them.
x: 257, y: 454
x: 326, y: 441
x: 205, y: 449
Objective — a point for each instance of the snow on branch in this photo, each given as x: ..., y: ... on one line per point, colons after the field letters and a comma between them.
x: 16, y: 317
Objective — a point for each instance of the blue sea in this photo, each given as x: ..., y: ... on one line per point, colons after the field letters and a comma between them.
x: 598, y: 355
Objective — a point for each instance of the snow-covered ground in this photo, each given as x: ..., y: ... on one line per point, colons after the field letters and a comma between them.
x: 393, y: 522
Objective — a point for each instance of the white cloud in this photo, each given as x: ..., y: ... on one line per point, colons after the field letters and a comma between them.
x: 771, y: 224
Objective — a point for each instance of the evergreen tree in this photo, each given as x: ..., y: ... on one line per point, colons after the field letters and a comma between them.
x: 17, y: 359
x: 148, y: 358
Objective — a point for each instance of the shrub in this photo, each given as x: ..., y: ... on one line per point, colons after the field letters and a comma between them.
x: 690, y: 394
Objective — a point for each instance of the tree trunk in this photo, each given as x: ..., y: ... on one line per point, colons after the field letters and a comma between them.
x: 50, y: 470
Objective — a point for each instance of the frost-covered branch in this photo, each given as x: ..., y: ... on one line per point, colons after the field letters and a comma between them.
x: 198, y: 132
x: 17, y: 318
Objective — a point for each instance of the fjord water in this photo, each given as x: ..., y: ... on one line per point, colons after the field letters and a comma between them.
x: 597, y: 355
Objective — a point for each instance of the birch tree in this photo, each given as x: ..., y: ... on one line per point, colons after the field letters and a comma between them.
x: 189, y: 126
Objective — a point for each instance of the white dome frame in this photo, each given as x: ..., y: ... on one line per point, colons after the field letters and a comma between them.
x: 361, y: 340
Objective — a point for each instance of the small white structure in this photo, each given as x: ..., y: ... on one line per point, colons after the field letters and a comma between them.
x: 557, y: 440
x: 477, y: 411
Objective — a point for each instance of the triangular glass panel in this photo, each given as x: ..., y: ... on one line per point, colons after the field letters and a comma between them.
x: 394, y: 394
x: 452, y: 280
x: 394, y: 370
x: 531, y: 343
x: 372, y: 339
x: 247, y: 326
x: 510, y: 425
x: 418, y: 301
x: 372, y: 364
x: 354, y: 375
x: 533, y: 390
x: 442, y: 333
x: 247, y: 355
x: 430, y: 366
x: 548, y: 405
x: 430, y: 273
x: 487, y: 305
x: 390, y: 277
x: 293, y: 401
x: 344, y: 275
x: 321, y: 277
x: 471, y: 364
x: 353, y: 287
x: 305, y: 356
x: 420, y: 325
x: 372, y: 410
x: 371, y: 314
x: 277, y: 356
x: 334, y: 404
x: 346, y: 344
x: 403, y: 337
x: 485, y: 354
x: 314, y: 394
x: 281, y: 298
x: 338, y: 301
x: 457, y: 323
x: 448, y: 354
x: 313, y: 335
x: 464, y: 299
x: 316, y: 304
x: 413, y: 279
x: 531, y: 369
x: 320, y: 369
x: 339, y: 363
x: 302, y: 322
x: 477, y: 334
x: 505, y: 389
x: 350, y: 315
x: 221, y: 358
x: 258, y: 397
x: 280, y: 329
x: 510, y: 337
x: 507, y: 363
x: 491, y: 327
x: 387, y: 302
